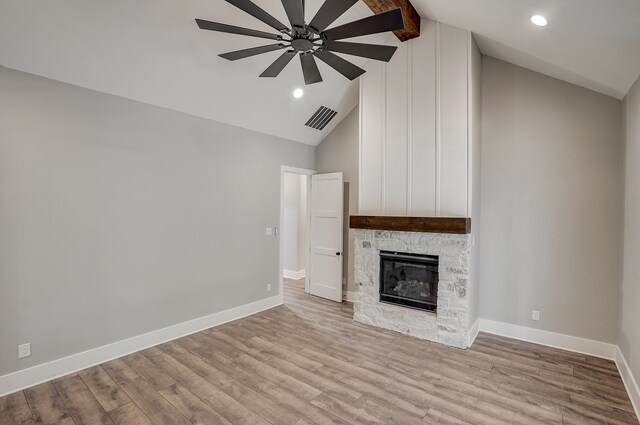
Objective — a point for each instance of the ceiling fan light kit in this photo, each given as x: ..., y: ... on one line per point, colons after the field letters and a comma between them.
x: 312, y: 40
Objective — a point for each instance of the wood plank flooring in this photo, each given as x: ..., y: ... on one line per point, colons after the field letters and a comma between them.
x: 308, y: 362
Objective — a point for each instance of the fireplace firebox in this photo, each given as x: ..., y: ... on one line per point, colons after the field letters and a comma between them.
x: 410, y: 280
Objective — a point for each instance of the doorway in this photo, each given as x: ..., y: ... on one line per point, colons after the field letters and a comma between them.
x: 294, y: 227
x: 311, y: 210
x: 295, y: 186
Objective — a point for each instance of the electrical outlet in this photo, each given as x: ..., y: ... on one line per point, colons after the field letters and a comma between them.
x: 535, y: 315
x: 268, y: 287
x: 24, y: 350
x: 268, y: 231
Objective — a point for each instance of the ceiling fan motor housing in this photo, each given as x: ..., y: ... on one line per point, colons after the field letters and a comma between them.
x: 302, y: 44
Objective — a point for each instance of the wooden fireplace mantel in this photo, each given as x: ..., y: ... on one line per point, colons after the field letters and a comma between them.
x: 456, y: 225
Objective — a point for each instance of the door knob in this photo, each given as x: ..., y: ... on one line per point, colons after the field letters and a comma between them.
x: 338, y: 253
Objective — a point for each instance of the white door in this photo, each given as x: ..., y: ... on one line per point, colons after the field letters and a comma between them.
x: 325, y: 274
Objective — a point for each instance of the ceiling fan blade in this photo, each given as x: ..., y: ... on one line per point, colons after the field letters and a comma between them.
x: 258, y: 13
x: 295, y: 11
x: 279, y: 64
x: 343, y: 66
x: 245, y: 53
x: 329, y: 12
x: 382, y: 22
x: 215, y: 26
x: 372, y: 51
x: 310, y: 69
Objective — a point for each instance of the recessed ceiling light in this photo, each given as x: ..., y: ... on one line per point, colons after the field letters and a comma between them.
x: 539, y: 20
x: 297, y: 93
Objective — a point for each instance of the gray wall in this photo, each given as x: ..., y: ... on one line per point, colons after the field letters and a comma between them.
x: 339, y: 152
x: 475, y: 163
x: 303, y: 225
x: 294, y: 229
x: 552, y: 179
x: 629, y: 330
x: 118, y: 218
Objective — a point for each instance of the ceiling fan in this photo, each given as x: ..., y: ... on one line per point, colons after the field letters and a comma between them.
x: 312, y: 39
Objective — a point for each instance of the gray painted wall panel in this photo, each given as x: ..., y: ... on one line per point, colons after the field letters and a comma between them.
x: 552, y: 178
x: 475, y: 157
x: 629, y: 337
x: 118, y: 218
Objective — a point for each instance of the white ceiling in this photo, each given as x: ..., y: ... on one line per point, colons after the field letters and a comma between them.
x: 591, y: 43
x: 153, y: 52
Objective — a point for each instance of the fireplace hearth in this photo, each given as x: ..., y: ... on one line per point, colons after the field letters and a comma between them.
x: 409, y: 280
x: 438, y: 294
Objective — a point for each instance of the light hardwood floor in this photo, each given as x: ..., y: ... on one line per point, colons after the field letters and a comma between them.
x: 307, y: 362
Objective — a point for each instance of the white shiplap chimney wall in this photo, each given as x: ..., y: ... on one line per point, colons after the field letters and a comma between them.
x: 416, y: 127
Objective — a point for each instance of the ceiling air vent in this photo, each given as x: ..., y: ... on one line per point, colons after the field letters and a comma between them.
x: 321, y: 118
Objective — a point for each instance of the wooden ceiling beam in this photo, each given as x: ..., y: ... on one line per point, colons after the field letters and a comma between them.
x: 409, y: 13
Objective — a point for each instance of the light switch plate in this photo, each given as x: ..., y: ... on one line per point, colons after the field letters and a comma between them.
x: 268, y: 231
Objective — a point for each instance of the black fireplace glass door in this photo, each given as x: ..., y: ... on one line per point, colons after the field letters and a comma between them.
x: 409, y: 279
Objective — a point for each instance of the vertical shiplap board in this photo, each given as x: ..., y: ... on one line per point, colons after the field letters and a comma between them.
x: 395, y: 140
x: 453, y: 60
x: 372, y: 100
x: 422, y: 140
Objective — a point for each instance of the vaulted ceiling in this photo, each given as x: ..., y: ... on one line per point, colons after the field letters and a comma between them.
x: 152, y: 51
x: 591, y: 43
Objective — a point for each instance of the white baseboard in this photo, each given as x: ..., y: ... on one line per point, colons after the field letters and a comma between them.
x: 295, y: 275
x: 26, y: 378
x: 348, y: 296
x: 551, y: 339
x: 630, y: 382
x: 473, y: 332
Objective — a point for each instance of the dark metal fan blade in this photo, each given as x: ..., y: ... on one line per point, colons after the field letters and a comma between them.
x: 279, y: 64
x: 329, y: 12
x: 215, y: 26
x: 382, y: 22
x: 344, y: 67
x: 245, y: 53
x: 372, y: 51
x: 310, y: 69
x: 258, y: 13
x: 295, y: 11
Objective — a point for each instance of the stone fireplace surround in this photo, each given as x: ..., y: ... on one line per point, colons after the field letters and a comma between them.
x: 450, y: 324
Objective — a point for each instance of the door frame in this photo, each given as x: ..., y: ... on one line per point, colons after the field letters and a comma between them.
x: 303, y: 172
